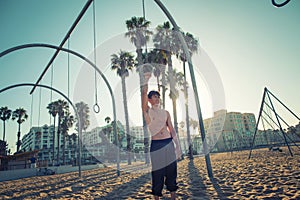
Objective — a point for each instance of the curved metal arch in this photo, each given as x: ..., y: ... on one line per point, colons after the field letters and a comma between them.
x: 71, y: 103
x: 89, y: 62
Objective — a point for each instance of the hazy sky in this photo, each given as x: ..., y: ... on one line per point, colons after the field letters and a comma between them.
x: 245, y: 46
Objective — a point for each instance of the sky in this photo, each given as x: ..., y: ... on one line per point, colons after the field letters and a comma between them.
x: 245, y: 46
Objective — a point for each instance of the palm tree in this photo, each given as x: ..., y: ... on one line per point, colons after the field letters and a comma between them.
x: 193, y: 45
x: 178, y: 79
x: 83, y: 113
x: 67, y: 122
x: 165, y: 40
x: 62, y: 107
x: 194, y: 124
x: 74, y: 137
x: 5, y: 114
x: 21, y: 115
x: 122, y: 63
x: 53, y: 110
x: 158, y: 60
x: 139, y: 35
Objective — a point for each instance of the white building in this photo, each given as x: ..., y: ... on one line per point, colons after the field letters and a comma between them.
x: 41, y: 139
x: 228, y: 131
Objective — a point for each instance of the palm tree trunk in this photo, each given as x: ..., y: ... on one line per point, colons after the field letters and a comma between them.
x: 58, y: 139
x: 19, y: 135
x: 126, y: 120
x: 163, y: 82
x: 53, y: 147
x: 146, y: 137
x: 64, y: 148
x: 3, y: 130
x: 172, y: 91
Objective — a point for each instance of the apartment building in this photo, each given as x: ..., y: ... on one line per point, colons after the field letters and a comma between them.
x: 227, y: 131
x: 41, y: 139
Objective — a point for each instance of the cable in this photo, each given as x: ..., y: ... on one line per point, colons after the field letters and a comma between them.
x: 68, y: 68
x: 96, y: 106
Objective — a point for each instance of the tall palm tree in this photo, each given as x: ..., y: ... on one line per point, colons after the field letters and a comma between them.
x: 83, y: 113
x: 122, y: 63
x: 62, y: 107
x: 67, y: 123
x: 139, y: 35
x: 178, y: 79
x: 158, y: 60
x: 5, y: 114
x: 20, y: 114
x: 165, y: 40
x: 73, y: 138
x: 53, y: 110
x: 192, y: 44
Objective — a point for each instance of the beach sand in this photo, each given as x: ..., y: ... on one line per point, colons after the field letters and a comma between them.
x: 267, y: 175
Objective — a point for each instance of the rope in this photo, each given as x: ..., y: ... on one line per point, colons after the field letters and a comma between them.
x: 96, y: 106
x: 68, y: 68
x: 40, y: 99
x: 31, y: 110
x: 144, y: 16
x: 51, y: 93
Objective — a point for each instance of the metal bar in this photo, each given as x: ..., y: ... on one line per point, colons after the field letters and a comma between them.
x: 259, y: 115
x: 63, y: 42
x: 283, y: 104
x: 279, y: 116
x: 280, y: 125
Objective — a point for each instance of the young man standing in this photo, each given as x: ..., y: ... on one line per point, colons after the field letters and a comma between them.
x: 163, y: 137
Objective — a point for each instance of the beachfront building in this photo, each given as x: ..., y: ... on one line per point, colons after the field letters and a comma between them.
x: 106, y: 145
x: 227, y: 131
x: 41, y: 139
x: 137, y: 134
x: 99, y: 144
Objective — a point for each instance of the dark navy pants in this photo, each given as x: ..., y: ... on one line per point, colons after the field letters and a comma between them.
x: 164, y: 166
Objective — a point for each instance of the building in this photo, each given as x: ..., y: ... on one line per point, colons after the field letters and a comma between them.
x: 41, y: 139
x: 227, y: 131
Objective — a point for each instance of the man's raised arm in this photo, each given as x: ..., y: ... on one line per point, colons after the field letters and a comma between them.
x: 145, y: 106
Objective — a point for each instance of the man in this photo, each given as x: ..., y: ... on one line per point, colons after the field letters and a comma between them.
x: 163, y: 137
x: 33, y: 162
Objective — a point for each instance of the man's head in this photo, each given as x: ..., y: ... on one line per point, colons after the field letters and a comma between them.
x: 154, y: 97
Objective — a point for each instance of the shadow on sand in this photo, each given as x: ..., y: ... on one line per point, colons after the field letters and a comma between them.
x: 199, y: 187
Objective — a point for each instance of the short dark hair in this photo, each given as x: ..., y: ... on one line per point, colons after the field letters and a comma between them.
x: 153, y: 92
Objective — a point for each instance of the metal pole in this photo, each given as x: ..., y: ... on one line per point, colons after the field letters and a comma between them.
x: 259, y: 115
x: 186, y: 51
x: 283, y: 104
x: 63, y: 42
x: 280, y: 125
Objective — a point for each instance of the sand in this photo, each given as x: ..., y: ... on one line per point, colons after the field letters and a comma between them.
x: 267, y: 175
